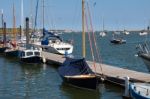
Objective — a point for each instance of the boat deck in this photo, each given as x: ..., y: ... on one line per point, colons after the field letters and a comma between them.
x: 112, y: 73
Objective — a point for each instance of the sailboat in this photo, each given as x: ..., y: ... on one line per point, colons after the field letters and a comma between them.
x: 53, y: 43
x: 117, y: 40
x: 76, y: 72
x: 13, y: 48
x: 3, y: 41
x: 103, y: 33
x: 126, y: 32
x: 143, y: 32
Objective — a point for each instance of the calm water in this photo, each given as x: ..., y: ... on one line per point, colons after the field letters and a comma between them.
x: 22, y: 81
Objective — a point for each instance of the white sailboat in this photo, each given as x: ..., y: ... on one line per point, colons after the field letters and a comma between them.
x: 143, y: 33
x: 52, y: 43
x: 102, y: 33
x: 126, y: 32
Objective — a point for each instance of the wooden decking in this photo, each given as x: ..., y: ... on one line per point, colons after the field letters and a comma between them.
x: 111, y: 73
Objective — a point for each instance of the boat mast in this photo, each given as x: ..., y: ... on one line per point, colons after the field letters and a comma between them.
x: 103, y: 23
x: 22, y: 18
x: 83, y: 30
x: 43, y: 15
x: 2, y: 19
x: 14, y: 23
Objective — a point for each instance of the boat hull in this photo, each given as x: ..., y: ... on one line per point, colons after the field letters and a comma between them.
x: 56, y: 51
x: 146, y: 60
x: 86, y: 83
x: 2, y: 49
x: 32, y: 60
x: 118, y: 41
x: 13, y: 53
x: 134, y: 94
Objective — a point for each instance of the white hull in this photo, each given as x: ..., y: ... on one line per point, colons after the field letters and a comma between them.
x: 146, y: 61
x: 142, y: 33
x: 57, y: 48
x: 102, y: 34
x: 126, y: 33
x: 139, y: 91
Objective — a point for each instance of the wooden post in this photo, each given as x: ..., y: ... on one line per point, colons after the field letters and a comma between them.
x: 27, y: 31
x: 20, y: 32
x: 4, y: 34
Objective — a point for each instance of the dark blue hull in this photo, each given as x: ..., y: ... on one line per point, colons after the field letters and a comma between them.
x: 13, y: 53
x: 32, y: 60
x: 76, y: 72
x: 115, y: 41
x: 2, y: 50
x: 86, y: 83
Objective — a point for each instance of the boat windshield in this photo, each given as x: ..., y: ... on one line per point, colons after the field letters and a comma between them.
x: 29, y: 53
x: 37, y: 53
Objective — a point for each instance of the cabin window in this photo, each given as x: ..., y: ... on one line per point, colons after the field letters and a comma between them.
x: 63, y: 48
x: 37, y: 53
x: 29, y: 53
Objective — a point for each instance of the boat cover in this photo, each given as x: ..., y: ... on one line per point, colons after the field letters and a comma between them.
x: 74, y: 67
x: 47, y: 36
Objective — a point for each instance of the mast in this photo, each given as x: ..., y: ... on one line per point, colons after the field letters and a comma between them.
x: 14, y: 23
x: 22, y: 18
x: 2, y: 19
x: 43, y: 15
x: 31, y: 15
x: 103, y: 24
x: 83, y: 30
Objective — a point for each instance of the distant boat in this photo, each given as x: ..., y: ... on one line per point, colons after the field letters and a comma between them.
x: 116, y: 40
x: 102, y: 34
x: 31, y: 56
x: 143, y: 33
x: 126, y: 32
x: 76, y: 72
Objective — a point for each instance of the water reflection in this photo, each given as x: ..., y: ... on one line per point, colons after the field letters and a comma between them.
x: 77, y: 93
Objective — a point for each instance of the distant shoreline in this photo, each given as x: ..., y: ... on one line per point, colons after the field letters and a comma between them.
x: 9, y: 31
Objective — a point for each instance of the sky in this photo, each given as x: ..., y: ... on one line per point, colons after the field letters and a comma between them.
x: 66, y: 14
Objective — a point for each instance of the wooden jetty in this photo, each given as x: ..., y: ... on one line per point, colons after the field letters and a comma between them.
x: 112, y: 74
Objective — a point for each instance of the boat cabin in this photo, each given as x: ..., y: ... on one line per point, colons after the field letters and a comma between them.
x: 30, y: 53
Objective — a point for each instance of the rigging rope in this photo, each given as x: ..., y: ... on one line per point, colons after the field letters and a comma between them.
x: 95, y: 44
x: 92, y: 51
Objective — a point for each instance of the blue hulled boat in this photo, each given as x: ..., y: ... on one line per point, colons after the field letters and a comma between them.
x: 12, y: 52
x: 2, y: 49
x: 31, y: 56
x: 139, y: 90
x: 76, y: 72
